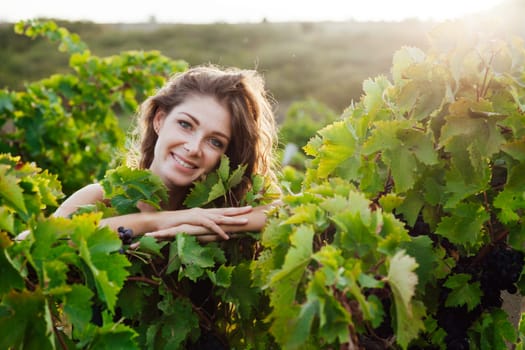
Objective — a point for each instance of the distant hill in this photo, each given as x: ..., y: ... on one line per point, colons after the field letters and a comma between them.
x: 327, y: 61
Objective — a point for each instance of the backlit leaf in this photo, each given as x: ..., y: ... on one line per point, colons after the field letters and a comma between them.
x: 409, y: 313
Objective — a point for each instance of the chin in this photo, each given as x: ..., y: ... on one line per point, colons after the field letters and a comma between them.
x: 180, y: 183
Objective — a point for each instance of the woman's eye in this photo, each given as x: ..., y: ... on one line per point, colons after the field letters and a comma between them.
x: 216, y: 143
x: 184, y: 124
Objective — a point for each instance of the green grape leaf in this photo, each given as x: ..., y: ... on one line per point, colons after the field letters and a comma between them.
x: 10, y: 191
x: 300, y: 328
x: 411, y: 207
x: 98, y: 248
x: 511, y: 200
x: 200, y: 194
x: 390, y: 201
x: 334, y: 319
x: 374, y: 89
x: 462, y: 292
x: 306, y: 213
x: 26, y: 310
x: 240, y: 291
x: 50, y: 253
x: 313, y: 146
x: 173, y: 328
x: 418, y: 143
x: 494, y: 330
x: 357, y: 225
x: 409, y: 312
x: 481, y: 131
x: 222, y: 277
x: 404, y: 58
x: 224, y: 168
x: 421, y: 248
x: 150, y: 245
x: 402, y: 278
x: 464, y: 224
x: 339, y: 144
x: 515, y: 149
x: 10, y: 277
x: 521, y: 336
x: 114, y: 336
x: 236, y: 176
x: 75, y: 306
x: 394, y: 152
x: 194, y: 258
x: 218, y: 190
x: 458, y: 186
x: 126, y: 187
x: 285, y: 280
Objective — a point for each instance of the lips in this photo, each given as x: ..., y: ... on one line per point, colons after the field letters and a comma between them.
x: 183, y: 162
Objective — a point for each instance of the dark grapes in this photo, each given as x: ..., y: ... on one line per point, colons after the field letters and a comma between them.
x: 498, y: 270
x: 501, y: 269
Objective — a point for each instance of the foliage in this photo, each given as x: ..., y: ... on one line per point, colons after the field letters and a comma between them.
x: 68, y: 122
x: 303, y: 119
x: 401, y: 233
x: 410, y: 219
x: 51, y: 279
x: 71, y: 283
x: 294, y: 59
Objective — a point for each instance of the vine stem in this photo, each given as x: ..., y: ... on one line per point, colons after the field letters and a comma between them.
x: 487, y: 208
x: 58, y: 335
x: 143, y: 279
x: 485, y: 85
x: 485, y: 250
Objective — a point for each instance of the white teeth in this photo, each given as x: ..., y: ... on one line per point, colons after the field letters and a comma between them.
x: 183, y: 163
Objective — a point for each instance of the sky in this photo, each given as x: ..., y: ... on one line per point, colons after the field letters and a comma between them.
x: 235, y: 11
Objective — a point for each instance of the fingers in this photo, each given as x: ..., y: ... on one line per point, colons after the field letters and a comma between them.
x: 215, y: 238
x: 230, y: 220
x: 212, y: 225
x: 203, y: 238
x: 232, y: 211
x: 194, y: 230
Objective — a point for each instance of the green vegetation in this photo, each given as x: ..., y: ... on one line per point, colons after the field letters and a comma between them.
x: 325, y: 61
x: 401, y: 232
x: 68, y: 122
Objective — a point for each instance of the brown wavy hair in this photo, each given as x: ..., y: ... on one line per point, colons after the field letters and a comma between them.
x: 252, y: 120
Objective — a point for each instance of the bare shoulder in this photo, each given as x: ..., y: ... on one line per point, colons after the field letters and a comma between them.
x: 89, y: 194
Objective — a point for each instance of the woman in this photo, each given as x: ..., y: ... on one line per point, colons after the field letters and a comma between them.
x: 184, y: 129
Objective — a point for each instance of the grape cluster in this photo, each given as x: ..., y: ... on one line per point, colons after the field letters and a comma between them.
x: 208, y: 341
x: 456, y: 321
x: 501, y: 269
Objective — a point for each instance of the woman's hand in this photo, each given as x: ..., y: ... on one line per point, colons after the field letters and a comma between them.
x: 202, y: 233
x: 198, y: 221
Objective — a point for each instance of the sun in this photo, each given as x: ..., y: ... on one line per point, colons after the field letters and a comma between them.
x: 422, y: 10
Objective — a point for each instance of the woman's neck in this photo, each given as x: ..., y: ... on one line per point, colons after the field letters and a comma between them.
x: 176, y: 198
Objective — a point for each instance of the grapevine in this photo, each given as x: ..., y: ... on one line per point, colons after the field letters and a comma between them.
x: 404, y: 231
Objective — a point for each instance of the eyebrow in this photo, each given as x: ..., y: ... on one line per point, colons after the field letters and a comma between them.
x: 196, y: 121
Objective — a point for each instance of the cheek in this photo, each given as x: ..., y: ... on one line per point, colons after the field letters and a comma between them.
x: 214, y: 159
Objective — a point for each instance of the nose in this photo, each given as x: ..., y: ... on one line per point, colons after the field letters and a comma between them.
x: 193, y: 146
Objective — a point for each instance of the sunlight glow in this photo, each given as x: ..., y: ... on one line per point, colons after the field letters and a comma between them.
x: 206, y: 11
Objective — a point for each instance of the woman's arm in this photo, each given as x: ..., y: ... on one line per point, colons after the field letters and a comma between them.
x: 255, y: 220
x: 89, y: 194
x: 205, y: 220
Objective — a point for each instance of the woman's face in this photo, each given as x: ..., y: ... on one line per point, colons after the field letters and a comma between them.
x: 191, y: 140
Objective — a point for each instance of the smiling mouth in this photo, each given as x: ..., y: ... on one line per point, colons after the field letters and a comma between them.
x: 183, y: 163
